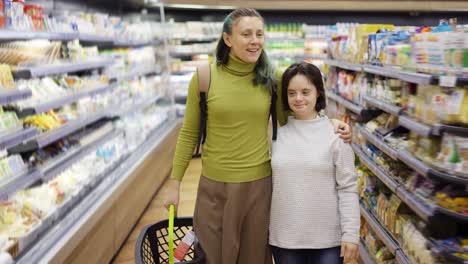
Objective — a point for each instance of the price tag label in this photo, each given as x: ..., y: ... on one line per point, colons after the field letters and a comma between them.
x: 448, y: 81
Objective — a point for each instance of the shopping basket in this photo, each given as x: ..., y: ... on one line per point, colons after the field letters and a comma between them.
x: 154, y: 242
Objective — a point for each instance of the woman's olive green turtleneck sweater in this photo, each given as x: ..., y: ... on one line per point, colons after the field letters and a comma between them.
x: 237, y: 143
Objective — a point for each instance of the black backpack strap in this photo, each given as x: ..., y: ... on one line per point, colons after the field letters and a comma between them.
x: 204, y: 78
x: 273, y: 113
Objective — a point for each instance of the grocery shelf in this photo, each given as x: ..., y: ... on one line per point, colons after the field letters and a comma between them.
x: 439, y: 129
x: 51, y: 136
x: 424, y: 169
x: 424, y: 210
x: 71, y: 157
x: 349, y: 105
x: 200, y: 39
x: 133, y: 73
x: 344, y: 65
x: 8, y: 35
x: 439, y: 249
x: 379, y: 143
x: 277, y: 39
x: 401, y: 257
x: 69, y: 228
x: 407, y: 76
x: 95, y: 38
x: 433, y: 130
x: 296, y: 57
x: 462, y: 81
x: 68, y: 99
x: 16, y: 137
x: 387, y: 107
x: 412, y: 77
x: 386, y: 179
x: 381, y: 71
x: 415, y: 126
x: 379, y: 230
x: 7, y: 97
x: 418, y: 78
x: 137, y: 106
x: 454, y: 215
x: 364, y: 254
x: 60, y: 68
x: 189, y: 54
x: 12, y: 184
x: 57, y: 161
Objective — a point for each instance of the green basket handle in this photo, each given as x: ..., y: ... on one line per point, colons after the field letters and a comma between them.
x: 171, y: 234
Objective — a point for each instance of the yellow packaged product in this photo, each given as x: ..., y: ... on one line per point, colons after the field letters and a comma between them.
x: 456, y: 106
x: 359, y: 35
x: 6, y: 77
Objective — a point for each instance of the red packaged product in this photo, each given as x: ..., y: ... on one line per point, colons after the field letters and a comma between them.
x: 2, y: 15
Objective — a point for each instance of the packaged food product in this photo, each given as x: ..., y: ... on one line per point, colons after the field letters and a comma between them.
x: 2, y: 14
x: 453, y: 155
x: 7, y: 12
x: 6, y: 78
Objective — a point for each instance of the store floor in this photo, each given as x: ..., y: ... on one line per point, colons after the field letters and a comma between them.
x: 156, y: 211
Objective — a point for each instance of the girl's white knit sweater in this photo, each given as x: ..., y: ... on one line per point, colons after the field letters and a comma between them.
x: 315, y: 202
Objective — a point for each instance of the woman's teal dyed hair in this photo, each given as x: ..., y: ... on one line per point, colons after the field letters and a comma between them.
x: 264, y: 71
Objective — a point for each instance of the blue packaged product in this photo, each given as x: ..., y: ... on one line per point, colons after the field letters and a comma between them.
x: 371, y: 50
x: 7, y: 11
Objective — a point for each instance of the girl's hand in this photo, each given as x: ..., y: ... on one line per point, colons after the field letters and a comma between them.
x: 350, y: 252
x: 172, y: 194
x: 343, y: 129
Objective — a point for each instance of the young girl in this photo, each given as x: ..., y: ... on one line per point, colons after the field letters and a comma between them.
x: 315, y: 208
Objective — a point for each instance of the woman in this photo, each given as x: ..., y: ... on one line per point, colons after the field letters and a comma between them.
x: 315, y: 205
x: 234, y: 194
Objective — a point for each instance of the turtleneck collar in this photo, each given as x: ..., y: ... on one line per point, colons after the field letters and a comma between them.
x: 237, y: 67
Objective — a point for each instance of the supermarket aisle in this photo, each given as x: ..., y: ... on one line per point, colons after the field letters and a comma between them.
x: 156, y: 211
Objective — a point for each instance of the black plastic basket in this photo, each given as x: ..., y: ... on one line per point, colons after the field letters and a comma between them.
x: 153, y: 243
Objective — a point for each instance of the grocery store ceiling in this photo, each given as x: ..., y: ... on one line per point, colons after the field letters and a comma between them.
x: 318, y: 5
x: 340, y: 5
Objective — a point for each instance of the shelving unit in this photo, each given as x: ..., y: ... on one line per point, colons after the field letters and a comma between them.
x: 62, y: 163
x: 364, y: 255
x: 8, y: 35
x: 134, y: 73
x: 17, y: 182
x: 384, y: 106
x: 189, y: 54
x: 68, y: 99
x: 87, y: 38
x: 381, y: 233
x: 193, y: 40
x: 384, y: 235
x: 136, y: 106
x: 17, y: 136
x: 357, y: 109
x: 427, y: 171
x: 56, y: 244
x: 344, y: 65
x: 436, y: 217
x: 7, y: 97
x: 425, y: 210
x: 61, y: 232
x: 52, y: 136
x: 66, y: 67
x: 412, y: 77
x: 362, y: 112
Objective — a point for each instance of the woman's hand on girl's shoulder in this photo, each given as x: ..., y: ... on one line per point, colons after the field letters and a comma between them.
x: 343, y: 130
